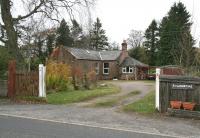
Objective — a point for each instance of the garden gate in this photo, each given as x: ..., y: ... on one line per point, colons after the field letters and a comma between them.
x: 24, y: 83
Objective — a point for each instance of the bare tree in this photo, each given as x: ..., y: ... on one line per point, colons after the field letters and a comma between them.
x: 50, y: 9
x: 135, y: 38
x: 114, y: 46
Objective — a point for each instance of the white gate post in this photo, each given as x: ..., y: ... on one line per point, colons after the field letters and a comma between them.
x: 42, y: 88
x: 157, y: 88
x: 44, y: 81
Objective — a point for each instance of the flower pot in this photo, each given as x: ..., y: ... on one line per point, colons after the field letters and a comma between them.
x: 188, y: 105
x: 175, y: 104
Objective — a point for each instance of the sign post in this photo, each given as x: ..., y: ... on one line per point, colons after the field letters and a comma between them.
x: 157, y: 88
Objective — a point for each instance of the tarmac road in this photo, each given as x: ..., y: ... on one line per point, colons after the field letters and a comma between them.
x: 14, y: 127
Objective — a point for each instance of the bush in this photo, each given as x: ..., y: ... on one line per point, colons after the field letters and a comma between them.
x: 83, y: 80
x: 58, y: 76
x: 4, y: 58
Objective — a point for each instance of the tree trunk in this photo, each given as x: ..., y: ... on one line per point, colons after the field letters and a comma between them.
x: 10, y: 30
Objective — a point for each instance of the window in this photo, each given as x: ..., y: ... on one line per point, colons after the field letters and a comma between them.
x: 97, y: 68
x: 127, y: 70
x: 105, y: 68
x: 124, y: 70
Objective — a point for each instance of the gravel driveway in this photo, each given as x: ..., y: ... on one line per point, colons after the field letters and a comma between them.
x: 107, y: 117
x: 126, y: 87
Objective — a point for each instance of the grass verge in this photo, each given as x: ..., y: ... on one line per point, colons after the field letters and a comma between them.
x: 145, y: 105
x: 65, y: 97
x: 29, y: 99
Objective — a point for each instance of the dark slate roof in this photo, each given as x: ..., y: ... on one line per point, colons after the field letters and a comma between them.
x: 132, y: 62
x: 93, y: 55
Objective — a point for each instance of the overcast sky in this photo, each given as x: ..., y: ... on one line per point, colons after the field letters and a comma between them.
x: 120, y: 16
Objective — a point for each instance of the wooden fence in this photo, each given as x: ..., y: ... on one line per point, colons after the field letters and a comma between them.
x: 22, y: 83
x: 186, y: 89
x: 27, y: 83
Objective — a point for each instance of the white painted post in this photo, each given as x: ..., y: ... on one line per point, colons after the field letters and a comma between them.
x: 44, y: 81
x: 157, y: 87
x: 42, y: 88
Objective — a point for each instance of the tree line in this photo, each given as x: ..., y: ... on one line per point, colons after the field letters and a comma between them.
x: 67, y: 35
x: 166, y: 43
x: 37, y: 46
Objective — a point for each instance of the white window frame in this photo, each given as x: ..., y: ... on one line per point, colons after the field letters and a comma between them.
x: 124, y: 70
x: 106, y: 68
x: 97, y: 68
x: 130, y: 69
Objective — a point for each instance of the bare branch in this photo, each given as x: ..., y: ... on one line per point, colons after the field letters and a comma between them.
x: 35, y: 10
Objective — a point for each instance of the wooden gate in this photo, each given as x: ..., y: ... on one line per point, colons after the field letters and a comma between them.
x: 27, y: 83
x: 22, y: 83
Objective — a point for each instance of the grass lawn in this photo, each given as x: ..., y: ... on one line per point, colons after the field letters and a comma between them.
x: 145, y: 105
x: 65, y: 97
x: 115, y: 100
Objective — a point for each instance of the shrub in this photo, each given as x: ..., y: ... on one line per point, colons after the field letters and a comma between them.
x: 92, y: 79
x: 4, y: 58
x: 83, y: 80
x: 58, y: 76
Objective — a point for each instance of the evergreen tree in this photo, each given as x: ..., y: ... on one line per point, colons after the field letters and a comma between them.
x: 50, y: 43
x: 175, y: 37
x: 98, y: 38
x: 63, y: 35
x: 77, y: 34
x: 151, y: 42
x: 139, y: 53
x: 76, y: 30
x: 39, y: 43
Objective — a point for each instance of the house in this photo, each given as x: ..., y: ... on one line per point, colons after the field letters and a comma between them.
x: 106, y: 64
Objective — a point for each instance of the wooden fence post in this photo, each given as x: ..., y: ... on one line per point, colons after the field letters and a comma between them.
x: 11, y: 78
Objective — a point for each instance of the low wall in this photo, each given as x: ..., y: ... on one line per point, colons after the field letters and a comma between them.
x: 3, y: 87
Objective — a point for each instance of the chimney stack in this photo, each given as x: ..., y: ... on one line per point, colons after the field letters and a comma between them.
x: 124, y: 46
x: 124, y: 52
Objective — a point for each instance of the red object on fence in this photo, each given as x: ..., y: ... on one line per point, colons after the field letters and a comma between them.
x: 188, y: 105
x: 176, y: 104
x: 11, y: 78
